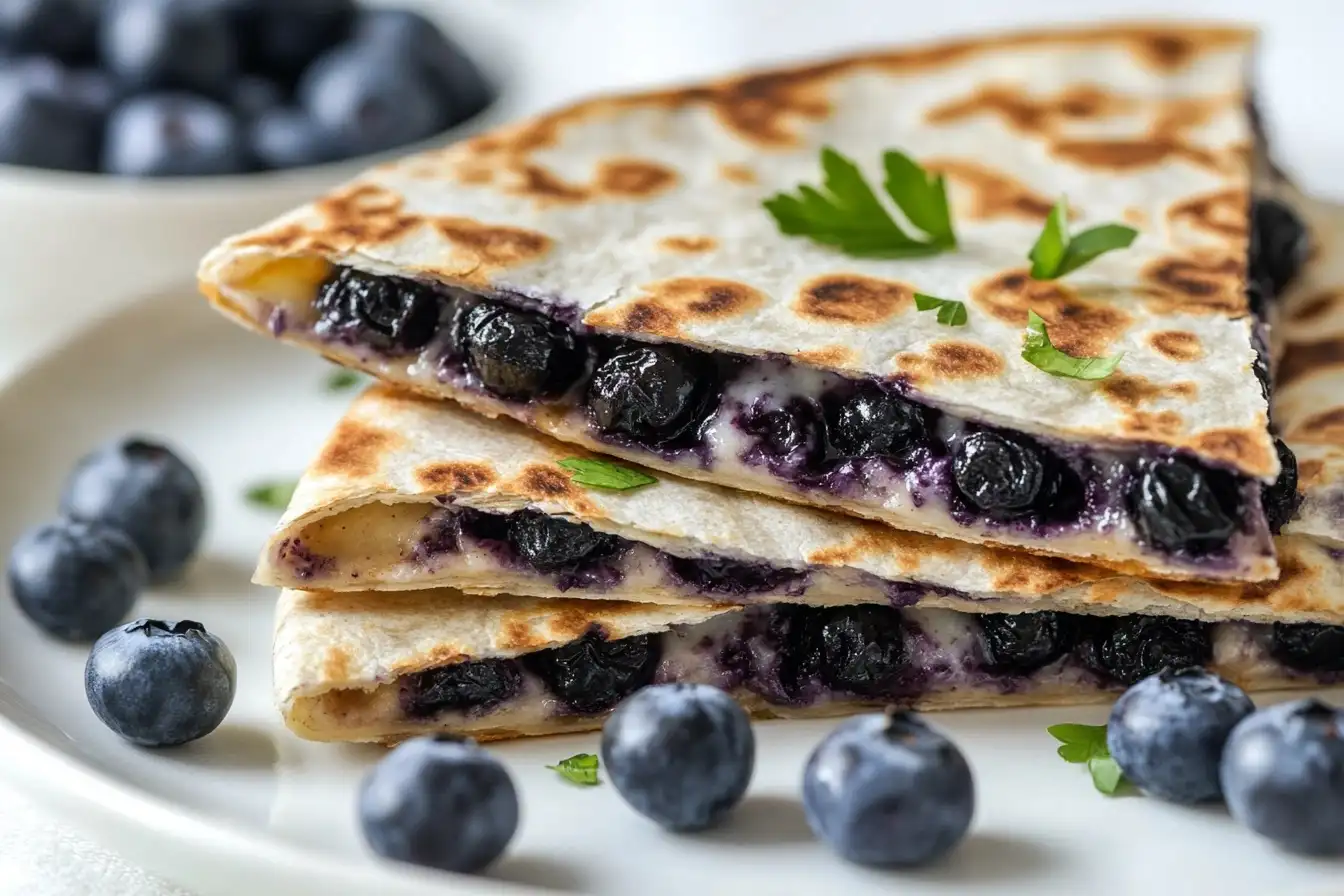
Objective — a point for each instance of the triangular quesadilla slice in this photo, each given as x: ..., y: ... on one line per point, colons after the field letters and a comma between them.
x: 383, y: 667
x: 624, y: 275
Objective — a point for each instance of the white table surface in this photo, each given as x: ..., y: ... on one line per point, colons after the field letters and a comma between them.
x: 567, y: 47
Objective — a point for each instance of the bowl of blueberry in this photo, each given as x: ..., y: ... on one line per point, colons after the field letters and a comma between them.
x: 136, y: 133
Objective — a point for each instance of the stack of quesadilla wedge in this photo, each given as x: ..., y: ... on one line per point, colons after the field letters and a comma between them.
x: 960, y: 524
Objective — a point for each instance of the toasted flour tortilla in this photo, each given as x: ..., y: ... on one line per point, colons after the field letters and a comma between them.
x: 395, y: 458
x: 641, y: 215
x: 339, y: 659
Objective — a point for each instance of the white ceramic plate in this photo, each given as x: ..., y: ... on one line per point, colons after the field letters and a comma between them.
x: 251, y: 808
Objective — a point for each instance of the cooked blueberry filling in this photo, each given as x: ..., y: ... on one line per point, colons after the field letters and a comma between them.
x: 550, y: 544
x: 593, y: 674
x: 519, y: 354
x: 1183, y: 508
x: 876, y: 422
x: 816, y: 430
x: 1279, y: 244
x: 862, y: 649
x: 1281, y: 499
x: 1309, y: 647
x: 653, y: 393
x: 721, y: 576
x: 1130, y: 648
x: 387, y: 312
x: 479, y: 685
x: 1020, y: 643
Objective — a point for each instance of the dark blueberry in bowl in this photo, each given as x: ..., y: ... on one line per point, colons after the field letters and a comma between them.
x: 144, y: 489
x: 390, y: 313
x: 593, y: 674
x: 160, y: 684
x: 862, y: 650
x: 722, y: 576
x: 791, y: 435
x: 441, y: 802
x: 367, y: 98
x: 1001, y: 476
x: 62, y: 28
x: 252, y: 95
x: 282, y: 137
x: 477, y: 686
x: 519, y: 354
x: 76, y: 580
x: 46, y: 121
x: 173, y: 135
x: 653, y: 393
x: 280, y: 39
x: 876, y: 422
x: 1179, y: 507
x: 1020, y: 643
x: 1281, y: 499
x: 1308, y: 646
x: 550, y: 544
x: 462, y: 89
x: 169, y: 45
x: 1167, y: 732
x: 1130, y: 648
x: 1279, y: 244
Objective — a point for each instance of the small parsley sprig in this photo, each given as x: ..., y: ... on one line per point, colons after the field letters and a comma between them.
x: 847, y: 214
x: 342, y: 380
x: 594, y: 473
x: 581, y: 769
x: 271, y: 494
x: 1086, y: 744
x: 1039, y: 352
x: 951, y: 313
x: 1056, y: 253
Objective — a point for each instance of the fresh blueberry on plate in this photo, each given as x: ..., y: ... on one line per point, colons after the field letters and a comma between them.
x: 1283, y: 776
x: 173, y: 135
x: 46, y: 118
x: 160, y: 684
x: 169, y: 45
x: 147, y: 491
x: 1167, y: 732
x: 76, y: 579
x: 887, y: 790
x: 440, y: 802
x: 369, y: 99
x: 680, y: 754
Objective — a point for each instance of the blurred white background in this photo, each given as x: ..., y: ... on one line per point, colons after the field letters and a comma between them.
x: 556, y: 49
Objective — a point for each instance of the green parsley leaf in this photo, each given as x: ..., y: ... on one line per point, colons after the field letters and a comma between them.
x: 1056, y: 254
x: 580, y: 768
x: 1087, y: 744
x: 1038, y: 351
x: 594, y: 473
x: 846, y: 213
x: 342, y: 380
x: 951, y: 313
x: 272, y: 494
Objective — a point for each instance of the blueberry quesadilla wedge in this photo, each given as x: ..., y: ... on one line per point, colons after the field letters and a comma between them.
x: 992, y: 289
x: 412, y: 493
x: 369, y: 666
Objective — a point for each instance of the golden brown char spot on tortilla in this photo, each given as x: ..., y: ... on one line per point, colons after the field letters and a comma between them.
x: 1310, y: 473
x: 1146, y: 424
x: 336, y: 664
x: 1250, y: 450
x: 1199, y: 282
x: 454, y: 476
x: 688, y: 244
x: 1324, y: 428
x: 1081, y: 327
x: 362, y: 214
x: 1318, y: 305
x: 1304, y: 359
x: 355, y: 450
x: 950, y: 360
x: 543, y: 482
x: 828, y: 356
x: 1177, y: 345
x: 1128, y: 154
x: 852, y: 299
x: 545, y: 186
x: 994, y: 193
x: 633, y: 178
x: 876, y: 540
x: 1135, y: 217
x: 667, y: 304
x: 1223, y: 213
x: 1036, y: 116
x: 738, y: 174
x: 760, y: 108
x: 495, y: 245
x: 1030, y: 574
x: 1132, y: 390
x: 474, y: 173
